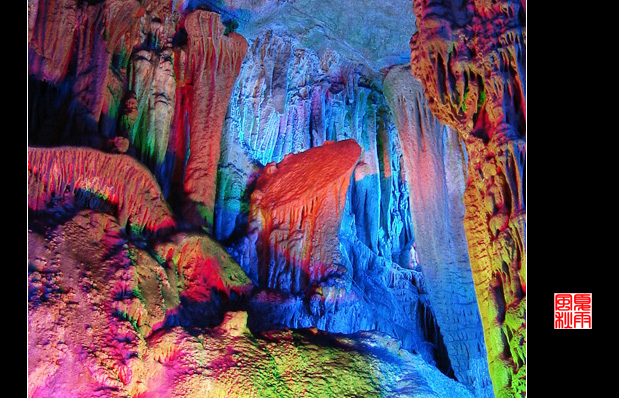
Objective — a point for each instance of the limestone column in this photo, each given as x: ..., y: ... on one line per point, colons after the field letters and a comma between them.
x: 470, y: 58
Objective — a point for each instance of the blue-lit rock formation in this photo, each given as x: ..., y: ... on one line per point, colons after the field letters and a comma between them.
x: 287, y: 100
x: 435, y: 168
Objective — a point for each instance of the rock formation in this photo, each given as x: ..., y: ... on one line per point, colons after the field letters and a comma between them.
x: 149, y: 73
x: 95, y: 296
x: 470, y: 57
x: 207, y: 73
x: 327, y: 98
x: 296, y: 210
x: 58, y: 177
x: 249, y: 198
x: 106, y: 314
x: 436, y: 173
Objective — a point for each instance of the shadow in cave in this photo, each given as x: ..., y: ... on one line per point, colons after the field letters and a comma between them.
x: 230, y: 222
x: 56, y: 118
x: 194, y: 316
x: 269, y: 310
x: 61, y: 209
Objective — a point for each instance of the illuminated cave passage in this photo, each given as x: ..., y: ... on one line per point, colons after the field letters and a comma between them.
x: 240, y: 198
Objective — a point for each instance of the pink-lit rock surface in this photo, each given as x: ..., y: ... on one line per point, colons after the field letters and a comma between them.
x: 296, y: 209
x: 104, y: 321
x: 203, y: 268
x: 95, y: 297
x: 51, y: 28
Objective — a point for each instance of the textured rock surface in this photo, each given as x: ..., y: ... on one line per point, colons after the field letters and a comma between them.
x: 289, y: 99
x: 262, y: 178
x: 436, y: 173
x: 148, y: 72
x: 211, y: 66
x: 58, y: 177
x: 470, y: 57
x: 94, y: 295
x: 208, y: 279
x: 118, y: 292
x: 296, y: 210
x: 105, y: 317
x: 303, y: 247
x: 50, y: 46
x: 327, y: 98
x: 326, y: 26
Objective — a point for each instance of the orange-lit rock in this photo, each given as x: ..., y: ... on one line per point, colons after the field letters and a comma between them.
x: 56, y: 175
x: 296, y: 210
x: 205, y: 72
x: 471, y: 59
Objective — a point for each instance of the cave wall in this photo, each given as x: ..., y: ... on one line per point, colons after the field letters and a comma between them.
x: 336, y: 189
x: 289, y: 99
x: 160, y: 79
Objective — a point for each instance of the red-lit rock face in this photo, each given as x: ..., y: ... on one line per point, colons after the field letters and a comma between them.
x: 296, y: 209
x: 470, y: 57
x: 205, y: 73
x: 57, y: 175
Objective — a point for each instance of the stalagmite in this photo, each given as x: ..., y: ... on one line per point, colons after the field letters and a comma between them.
x: 436, y: 174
